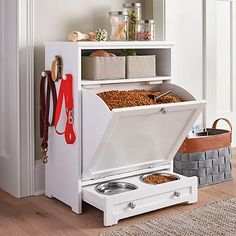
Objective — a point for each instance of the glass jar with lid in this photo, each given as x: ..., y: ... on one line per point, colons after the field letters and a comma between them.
x: 118, y: 25
x: 145, y: 30
x: 134, y: 12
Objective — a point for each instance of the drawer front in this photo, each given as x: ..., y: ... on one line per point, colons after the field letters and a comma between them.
x: 151, y: 203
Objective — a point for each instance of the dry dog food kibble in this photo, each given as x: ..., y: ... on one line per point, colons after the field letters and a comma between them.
x: 118, y: 99
x: 159, y: 179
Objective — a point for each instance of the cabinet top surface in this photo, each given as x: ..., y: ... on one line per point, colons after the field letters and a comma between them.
x: 118, y: 44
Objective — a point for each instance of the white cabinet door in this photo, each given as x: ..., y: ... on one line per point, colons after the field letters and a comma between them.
x: 183, y: 26
x: 220, y: 72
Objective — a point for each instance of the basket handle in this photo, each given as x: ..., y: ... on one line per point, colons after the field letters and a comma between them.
x: 226, y: 120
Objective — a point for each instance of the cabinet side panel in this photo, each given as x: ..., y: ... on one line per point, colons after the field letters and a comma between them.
x: 63, y: 170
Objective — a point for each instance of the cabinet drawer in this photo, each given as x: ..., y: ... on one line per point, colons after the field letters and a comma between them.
x: 144, y: 199
x: 150, y: 203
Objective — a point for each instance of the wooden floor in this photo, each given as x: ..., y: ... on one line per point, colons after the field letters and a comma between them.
x: 43, y: 216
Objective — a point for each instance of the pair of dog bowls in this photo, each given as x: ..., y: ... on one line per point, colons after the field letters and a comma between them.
x: 112, y: 188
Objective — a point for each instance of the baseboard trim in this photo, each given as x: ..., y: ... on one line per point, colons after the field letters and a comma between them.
x: 39, y: 178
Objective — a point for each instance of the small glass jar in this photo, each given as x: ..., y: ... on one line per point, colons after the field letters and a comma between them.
x: 118, y: 25
x: 134, y: 12
x: 145, y: 30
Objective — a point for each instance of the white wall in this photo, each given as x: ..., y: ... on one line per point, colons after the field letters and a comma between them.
x: 54, y: 19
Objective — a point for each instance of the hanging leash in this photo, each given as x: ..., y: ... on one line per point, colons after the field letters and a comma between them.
x: 66, y: 93
x: 47, y: 88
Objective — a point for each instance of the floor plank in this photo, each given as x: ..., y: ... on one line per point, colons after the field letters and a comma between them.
x: 43, y: 216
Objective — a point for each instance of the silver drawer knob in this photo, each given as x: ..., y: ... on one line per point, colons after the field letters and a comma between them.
x: 177, y: 194
x: 163, y: 111
x: 132, y: 205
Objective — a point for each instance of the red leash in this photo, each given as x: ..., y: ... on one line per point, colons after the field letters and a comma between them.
x: 65, y: 92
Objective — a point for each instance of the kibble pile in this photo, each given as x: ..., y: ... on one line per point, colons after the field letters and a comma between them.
x: 159, y: 179
x: 131, y: 98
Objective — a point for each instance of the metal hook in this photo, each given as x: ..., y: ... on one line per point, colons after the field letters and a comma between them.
x: 44, y: 74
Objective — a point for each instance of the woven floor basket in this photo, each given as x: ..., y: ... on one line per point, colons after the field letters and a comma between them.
x: 207, y: 155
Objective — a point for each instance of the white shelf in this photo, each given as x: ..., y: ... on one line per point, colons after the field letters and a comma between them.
x: 114, y: 44
x: 118, y: 81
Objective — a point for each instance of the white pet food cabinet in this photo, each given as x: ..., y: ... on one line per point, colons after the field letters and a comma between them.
x: 121, y: 144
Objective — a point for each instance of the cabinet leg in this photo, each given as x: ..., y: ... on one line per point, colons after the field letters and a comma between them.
x: 194, y: 190
x: 109, y: 219
x: 77, y: 208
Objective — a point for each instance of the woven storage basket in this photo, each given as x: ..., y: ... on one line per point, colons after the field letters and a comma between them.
x: 207, y: 155
x: 99, y: 68
x: 140, y: 66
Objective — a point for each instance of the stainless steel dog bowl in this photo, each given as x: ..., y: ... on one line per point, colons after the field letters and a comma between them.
x: 171, y: 177
x: 112, y: 188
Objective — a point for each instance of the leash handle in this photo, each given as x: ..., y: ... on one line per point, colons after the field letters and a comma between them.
x: 56, y: 71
